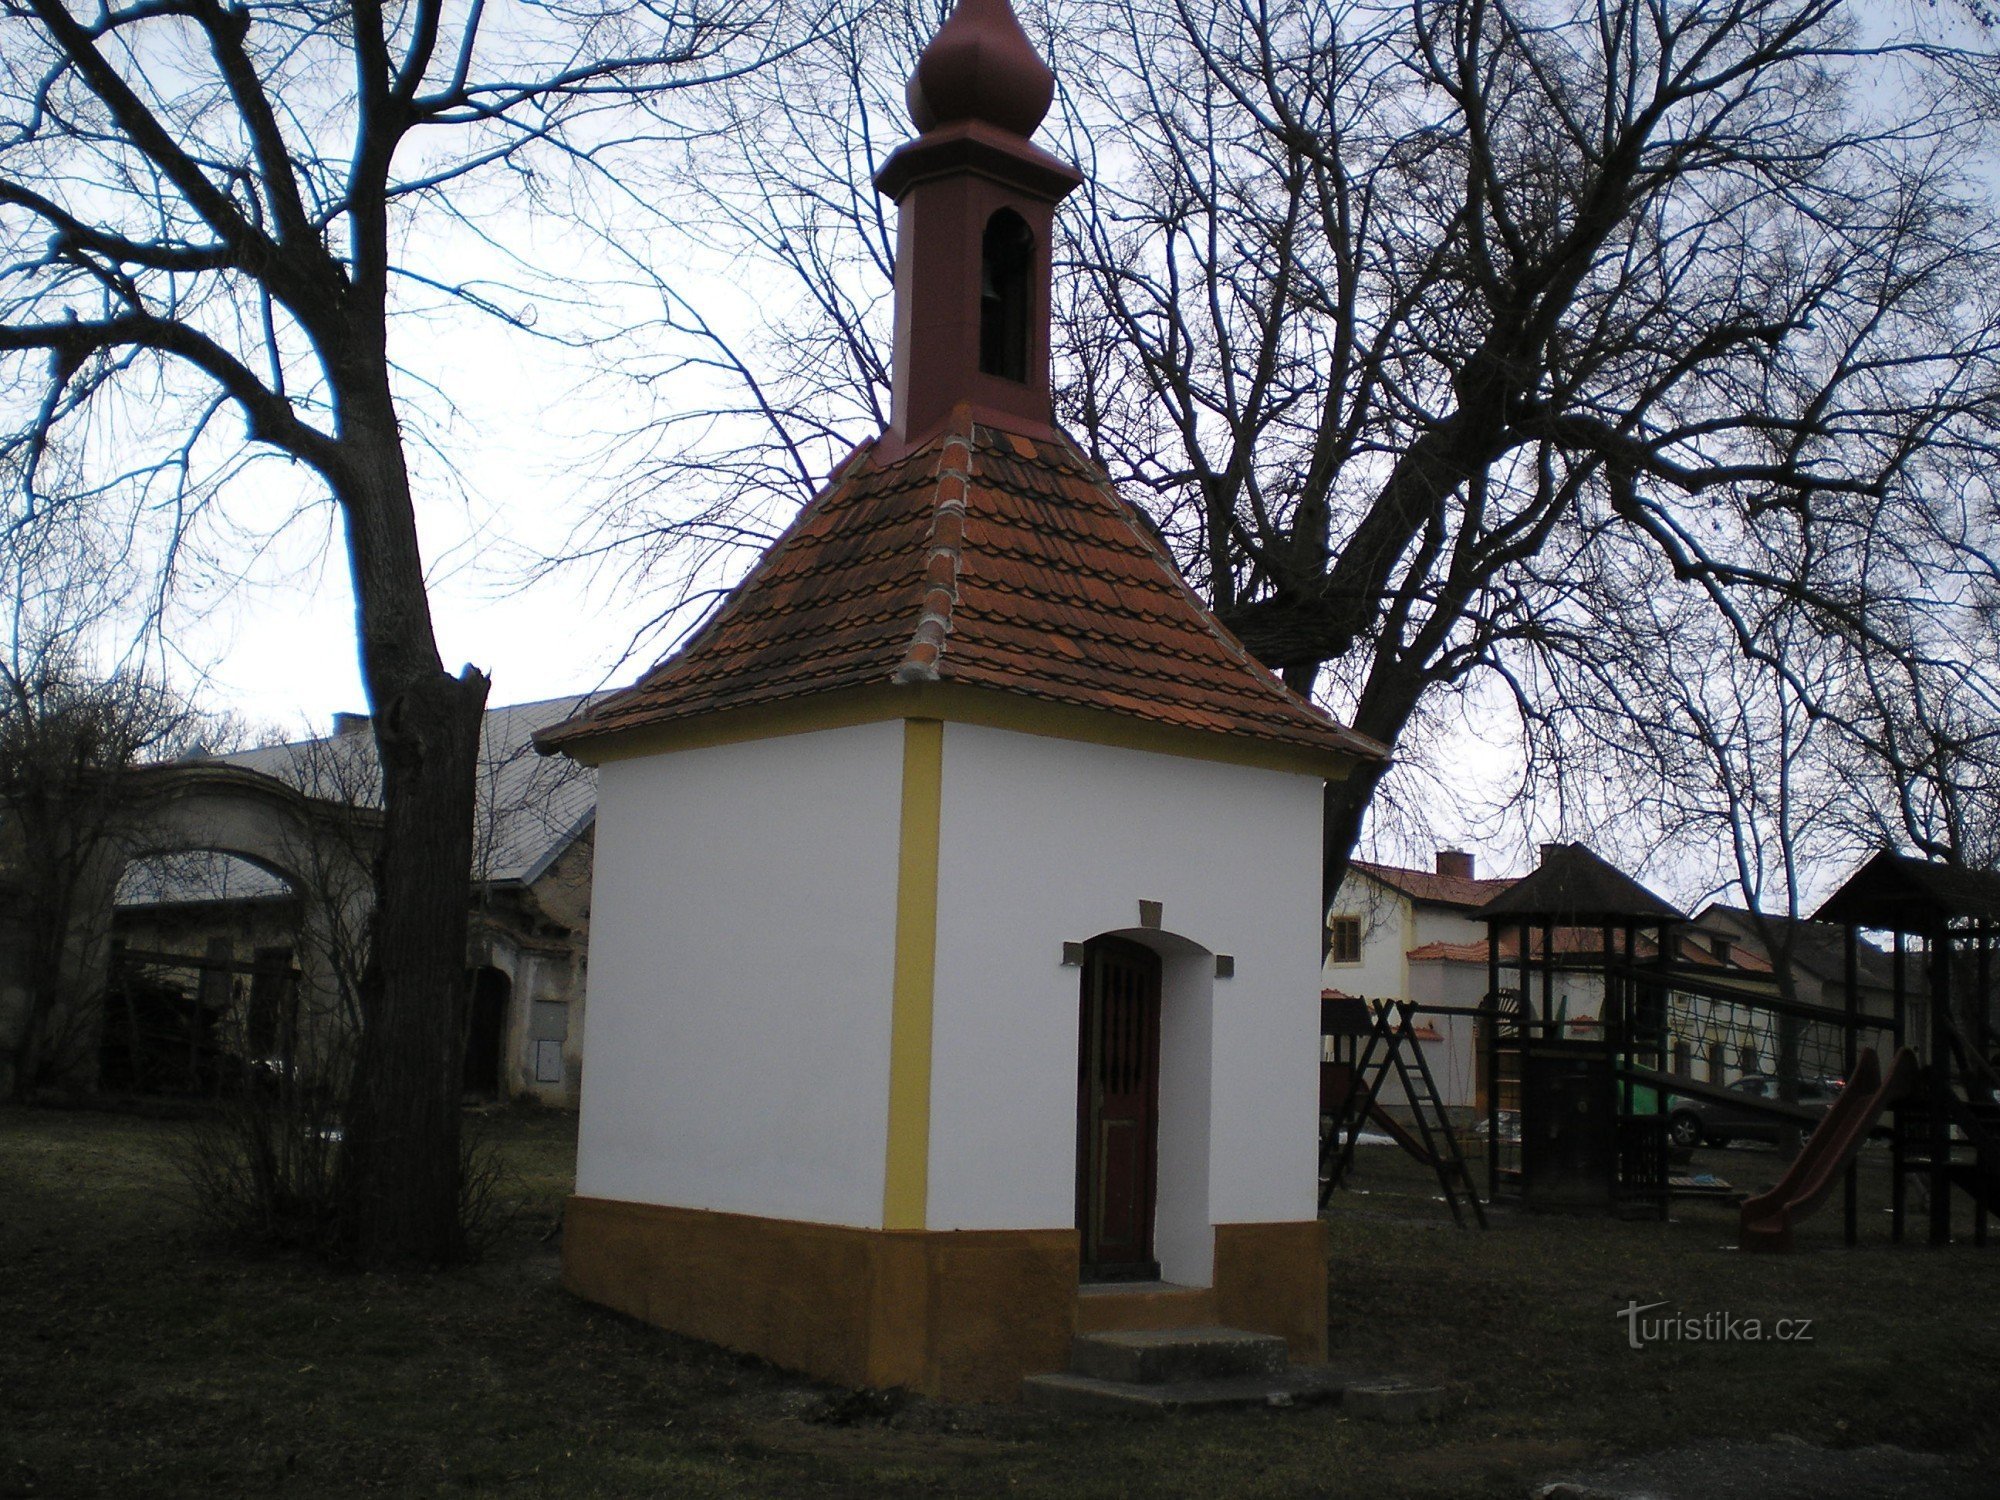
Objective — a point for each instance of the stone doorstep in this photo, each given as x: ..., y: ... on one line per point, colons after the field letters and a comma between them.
x: 1166, y: 1356
x: 1120, y: 1306
x: 1088, y: 1395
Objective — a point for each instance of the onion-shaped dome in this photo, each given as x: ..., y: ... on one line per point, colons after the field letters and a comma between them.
x: 981, y: 66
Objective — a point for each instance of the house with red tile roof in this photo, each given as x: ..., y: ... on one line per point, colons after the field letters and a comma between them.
x: 1386, y: 918
x: 1381, y: 912
x: 1413, y: 934
x: 954, y: 922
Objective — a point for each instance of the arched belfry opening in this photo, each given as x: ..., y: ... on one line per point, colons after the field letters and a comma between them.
x: 1006, y: 289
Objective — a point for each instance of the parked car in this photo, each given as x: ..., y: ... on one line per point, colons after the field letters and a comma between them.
x: 1708, y: 1122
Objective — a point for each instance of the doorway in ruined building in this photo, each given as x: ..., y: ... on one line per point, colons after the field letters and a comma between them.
x: 485, y: 1031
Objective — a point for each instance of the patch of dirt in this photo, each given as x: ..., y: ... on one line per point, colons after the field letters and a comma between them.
x: 1786, y: 1468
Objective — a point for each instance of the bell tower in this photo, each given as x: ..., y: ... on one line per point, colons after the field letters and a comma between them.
x: 976, y: 203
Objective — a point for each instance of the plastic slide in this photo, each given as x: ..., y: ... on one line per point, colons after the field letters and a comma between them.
x: 1767, y: 1219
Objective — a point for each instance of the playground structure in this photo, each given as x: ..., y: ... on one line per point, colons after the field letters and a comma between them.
x: 1577, y: 1043
x: 1367, y: 1045
x: 1767, y: 1218
x: 1593, y: 1014
x: 1591, y: 1090
x: 1945, y: 1126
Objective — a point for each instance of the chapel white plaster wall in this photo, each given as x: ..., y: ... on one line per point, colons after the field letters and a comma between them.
x: 741, y: 955
x: 1045, y: 841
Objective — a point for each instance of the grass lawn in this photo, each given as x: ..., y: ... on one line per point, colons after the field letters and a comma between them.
x: 136, y: 1360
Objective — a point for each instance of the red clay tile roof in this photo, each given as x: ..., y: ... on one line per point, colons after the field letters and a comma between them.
x: 1434, y: 889
x: 1467, y: 953
x: 985, y: 559
x: 1589, y: 942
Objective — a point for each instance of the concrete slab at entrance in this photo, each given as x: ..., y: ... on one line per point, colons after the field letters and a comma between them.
x: 1159, y: 1355
x: 1179, y: 1369
x: 1083, y: 1394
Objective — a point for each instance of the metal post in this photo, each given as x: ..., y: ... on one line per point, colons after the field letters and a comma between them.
x: 1611, y: 1028
x: 1898, y: 1137
x: 1550, y: 1031
x: 1851, y: 1185
x: 1654, y: 1009
x: 1492, y: 1062
x: 1939, y: 942
x: 1983, y: 974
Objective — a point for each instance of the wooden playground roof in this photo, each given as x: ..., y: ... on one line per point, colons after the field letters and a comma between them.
x: 1899, y: 893
x: 1574, y: 886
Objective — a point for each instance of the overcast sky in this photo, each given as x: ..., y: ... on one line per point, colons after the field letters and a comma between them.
x: 523, y: 425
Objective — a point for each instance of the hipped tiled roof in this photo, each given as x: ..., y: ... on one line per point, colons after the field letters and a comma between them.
x: 1437, y: 890
x: 983, y: 559
x: 1819, y: 948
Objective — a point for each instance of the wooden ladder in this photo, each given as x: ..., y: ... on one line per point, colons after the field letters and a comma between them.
x: 1392, y: 1044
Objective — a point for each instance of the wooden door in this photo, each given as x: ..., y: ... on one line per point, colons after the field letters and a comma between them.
x: 1117, y: 1110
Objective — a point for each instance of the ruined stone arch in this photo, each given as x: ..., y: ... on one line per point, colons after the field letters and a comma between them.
x: 322, y: 848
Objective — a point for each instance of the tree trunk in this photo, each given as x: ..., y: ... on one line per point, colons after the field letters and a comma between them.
x: 402, y: 1178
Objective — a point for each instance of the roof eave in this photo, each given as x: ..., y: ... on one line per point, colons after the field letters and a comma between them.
x: 961, y: 703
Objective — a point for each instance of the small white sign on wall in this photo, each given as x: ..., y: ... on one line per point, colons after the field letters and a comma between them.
x: 549, y: 1026
x: 548, y: 1061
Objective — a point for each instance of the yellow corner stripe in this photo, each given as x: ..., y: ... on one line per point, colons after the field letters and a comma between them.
x: 906, y: 1185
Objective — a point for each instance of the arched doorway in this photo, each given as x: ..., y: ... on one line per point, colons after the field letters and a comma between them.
x: 1118, y: 1110
x: 485, y: 1030
x: 200, y: 980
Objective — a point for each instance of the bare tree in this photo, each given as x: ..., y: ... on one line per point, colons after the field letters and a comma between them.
x: 216, y: 203
x: 777, y: 179
x: 1546, y: 297
x: 1924, y: 772
x: 1458, y: 346
x: 327, y: 858
x: 72, y: 732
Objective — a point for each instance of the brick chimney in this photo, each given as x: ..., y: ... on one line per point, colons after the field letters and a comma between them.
x: 975, y: 202
x: 1454, y: 862
x: 345, y: 723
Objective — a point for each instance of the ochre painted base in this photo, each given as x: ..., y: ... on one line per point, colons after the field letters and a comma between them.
x: 1271, y: 1278
x: 963, y: 1314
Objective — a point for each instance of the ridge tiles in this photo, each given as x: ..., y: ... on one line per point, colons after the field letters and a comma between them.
x: 986, y: 559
